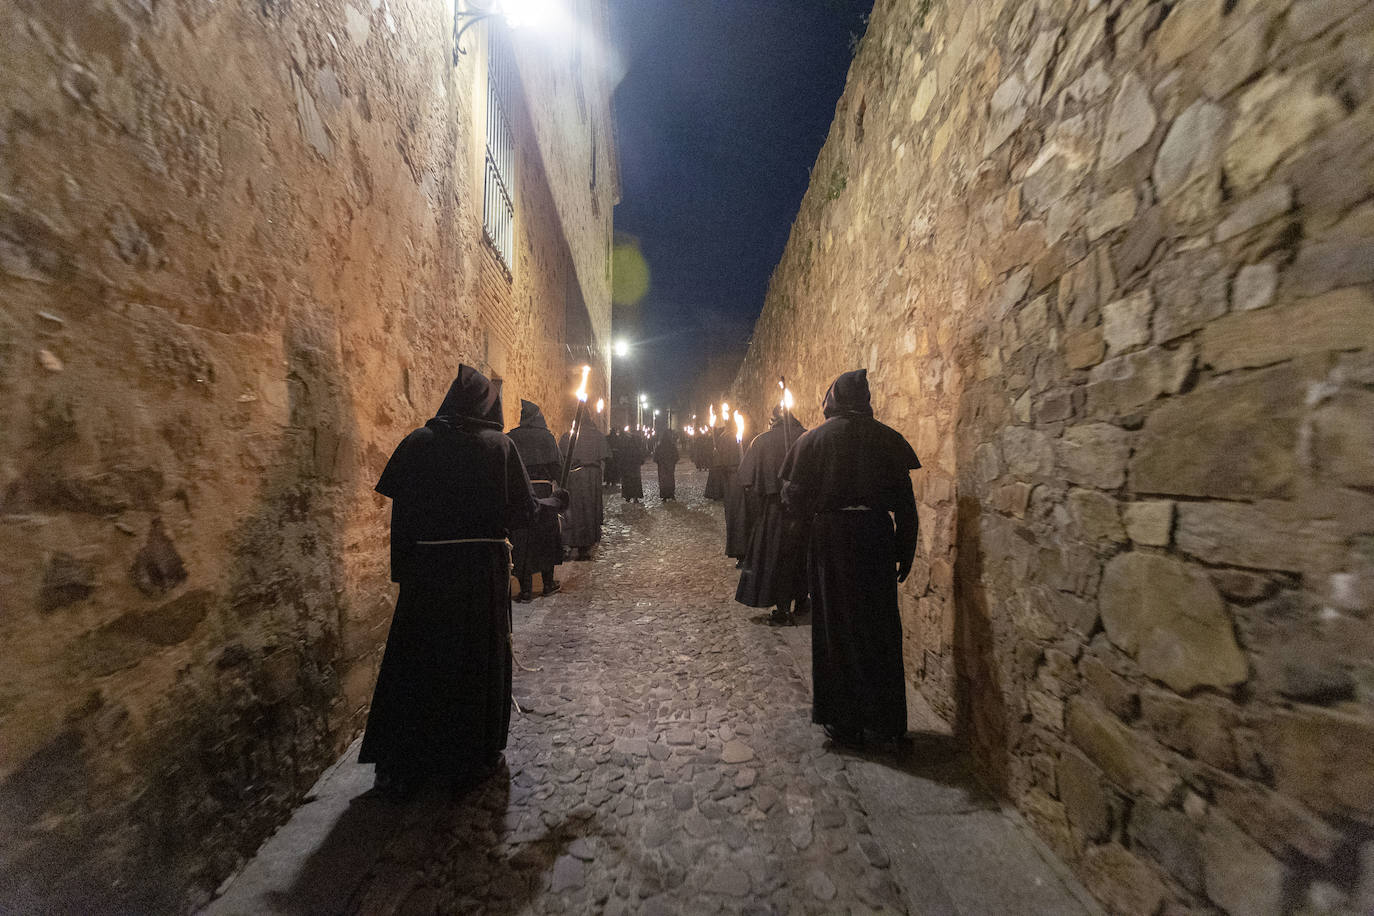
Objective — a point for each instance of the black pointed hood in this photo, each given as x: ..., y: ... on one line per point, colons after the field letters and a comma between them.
x: 472, y: 399
x: 534, y: 442
x: 848, y: 396
x: 531, y: 416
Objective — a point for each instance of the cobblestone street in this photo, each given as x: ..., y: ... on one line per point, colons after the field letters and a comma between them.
x: 664, y: 762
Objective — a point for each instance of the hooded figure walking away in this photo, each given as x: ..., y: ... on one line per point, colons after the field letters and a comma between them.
x: 666, y: 457
x: 582, y: 521
x: 443, y: 696
x: 723, y: 449
x: 739, y: 520
x: 774, y: 573
x: 610, y: 474
x: 538, y: 548
x: 850, y: 478
x: 629, y: 456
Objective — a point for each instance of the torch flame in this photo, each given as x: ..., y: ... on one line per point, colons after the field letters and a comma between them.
x: 600, y: 404
x: 582, y: 389
x: 787, y: 399
x: 739, y: 426
x: 713, y: 416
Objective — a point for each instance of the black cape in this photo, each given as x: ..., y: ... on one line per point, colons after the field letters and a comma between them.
x: 586, y: 511
x: 539, y: 547
x: 666, y: 456
x: 849, y: 477
x: 629, y: 457
x: 536, y: 444
x: 724, y: 458
x: 442, y: 701
x: 774, y: 570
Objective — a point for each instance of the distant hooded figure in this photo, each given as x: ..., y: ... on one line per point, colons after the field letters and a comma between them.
x: 722, y: 460
x: 739, y: 520
x: 443, y: 696
x: 666, y: 457
x: 629, y: 457
x: 774, y: 572
x: 610, y: 473
x: 850, y: 478
x: 586, y: 510
x: 538, y: 548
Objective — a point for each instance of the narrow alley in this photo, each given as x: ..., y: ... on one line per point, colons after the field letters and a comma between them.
x: 663, y: 762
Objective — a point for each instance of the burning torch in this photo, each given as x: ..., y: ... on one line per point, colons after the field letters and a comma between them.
x: 786, y: 413
x: 576, y: 428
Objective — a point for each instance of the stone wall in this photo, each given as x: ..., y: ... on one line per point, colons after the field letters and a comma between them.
x: 241, y: 256
x: 1109, y: 265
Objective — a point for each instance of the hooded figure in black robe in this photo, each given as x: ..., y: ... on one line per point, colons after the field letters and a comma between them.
x: 629, y: 457
x: 739, y: 520
x: 586, y: 511
x: 666, y: 457
x: 538, y: 548
x: 610, y: 472
x: 849, y: 477
x: 701, y: 450
x: 443, y: 696
x: 724, y: 458
x: 774, y: 573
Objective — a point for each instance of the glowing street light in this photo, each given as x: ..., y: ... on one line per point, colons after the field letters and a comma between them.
x: 545, y: 15
x: 622, y: 348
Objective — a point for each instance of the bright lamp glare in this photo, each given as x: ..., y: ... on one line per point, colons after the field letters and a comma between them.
x: 622, y: 348
x: 526, y: 13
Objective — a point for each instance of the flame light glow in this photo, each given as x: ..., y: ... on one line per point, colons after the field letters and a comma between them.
x: 787, y: 399
x: 713, y: 416
x: 600, y: 404
x: 739, y: 426
x: 582, y: 389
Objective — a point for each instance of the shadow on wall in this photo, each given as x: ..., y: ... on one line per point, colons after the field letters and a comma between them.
x: 980, y: 713
x: 135, y: 811
x: 277, y: 677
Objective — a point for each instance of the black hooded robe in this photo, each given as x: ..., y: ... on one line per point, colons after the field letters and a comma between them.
x: 718, y: 460
x: 610, y: 471
x: 850, y: 478
x: 586, y: 511
x: 774, y: 573
x: 666, y: 457
x: 443, y: 695
x: 538, y: 548
x: 629, y: 457
x: 739, y: 520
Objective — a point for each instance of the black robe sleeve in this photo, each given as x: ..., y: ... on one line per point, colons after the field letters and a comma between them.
x: 520, y: 503
x: 908, y: 526
x: 393, y: 484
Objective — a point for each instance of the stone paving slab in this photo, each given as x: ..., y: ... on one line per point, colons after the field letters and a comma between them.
x: 664, y: 762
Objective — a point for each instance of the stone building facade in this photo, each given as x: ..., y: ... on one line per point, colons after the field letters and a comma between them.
x: 242, y: 253
x: 1109, y: 265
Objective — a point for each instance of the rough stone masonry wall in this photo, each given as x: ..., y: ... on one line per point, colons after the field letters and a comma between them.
x: 1109, y: 265
x: 240, y: 245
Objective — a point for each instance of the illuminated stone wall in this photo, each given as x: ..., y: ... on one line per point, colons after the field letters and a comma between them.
x: 1109, y: 265
x: 241, y: 256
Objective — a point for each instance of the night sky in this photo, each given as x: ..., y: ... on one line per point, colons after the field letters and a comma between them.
x: 723, y: 107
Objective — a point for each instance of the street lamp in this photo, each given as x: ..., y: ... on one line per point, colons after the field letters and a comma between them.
x: 622, y: 348
x: 516, y: 13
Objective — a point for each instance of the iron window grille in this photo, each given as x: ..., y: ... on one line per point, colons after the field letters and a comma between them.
x: 498, y: 183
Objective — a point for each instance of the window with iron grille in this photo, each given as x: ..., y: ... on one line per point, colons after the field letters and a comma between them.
x: 498, y: 183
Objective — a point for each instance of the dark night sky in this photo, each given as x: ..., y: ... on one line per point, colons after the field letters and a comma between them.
x: 723, y: 107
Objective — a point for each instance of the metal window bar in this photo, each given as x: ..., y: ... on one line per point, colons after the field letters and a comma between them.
x: 498, y: 192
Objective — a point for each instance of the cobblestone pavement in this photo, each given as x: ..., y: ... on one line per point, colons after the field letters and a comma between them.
x: 665, y: 762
